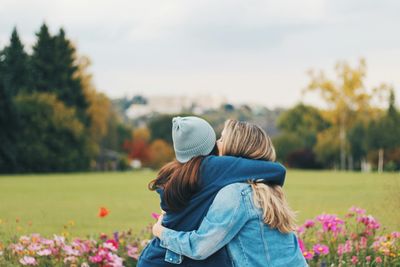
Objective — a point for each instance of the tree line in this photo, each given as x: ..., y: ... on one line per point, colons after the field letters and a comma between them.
x: 355, y: 131
x: 53, y: 119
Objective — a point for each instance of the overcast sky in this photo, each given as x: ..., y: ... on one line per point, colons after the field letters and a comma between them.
x: 255, y: 51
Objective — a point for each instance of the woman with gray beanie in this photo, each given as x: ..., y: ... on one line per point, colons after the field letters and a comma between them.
x: 188, y: 186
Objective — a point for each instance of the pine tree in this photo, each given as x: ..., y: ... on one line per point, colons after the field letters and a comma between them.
x: 43, y: 61
x: 54, y: 69
x: 16, y: 73
x: 8, y: 124
x: 69, y: 85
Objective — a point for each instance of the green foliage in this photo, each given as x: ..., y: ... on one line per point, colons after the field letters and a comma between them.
x: 160, y: 128
x: 383, y: 133
x: 52, y: 138
x: 303, y: 121
x: 299, y: 128
x: 54, y: 70
x: 42, y: 62
x: 285, y: 144
x: 8, y: 123
x: 15, y: 64
x: 328, y: 147
x: 357, y: 136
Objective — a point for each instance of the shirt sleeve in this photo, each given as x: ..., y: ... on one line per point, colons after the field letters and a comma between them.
x: 226, y: 170
x: 223, y: 221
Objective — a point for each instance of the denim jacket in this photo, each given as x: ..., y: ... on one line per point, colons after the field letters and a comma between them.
x: 235, y: 221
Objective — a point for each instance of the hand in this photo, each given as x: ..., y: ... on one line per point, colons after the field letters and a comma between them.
x: 157, y: 227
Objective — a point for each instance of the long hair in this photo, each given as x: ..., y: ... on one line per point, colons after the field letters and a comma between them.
x: 180, y: 181
x: 250, y: 141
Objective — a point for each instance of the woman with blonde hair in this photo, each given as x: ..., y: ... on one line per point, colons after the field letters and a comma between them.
x: 252, y: 219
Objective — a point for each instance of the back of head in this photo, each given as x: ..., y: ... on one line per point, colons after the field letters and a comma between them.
x: 248, y: 140
x: 193, y: 139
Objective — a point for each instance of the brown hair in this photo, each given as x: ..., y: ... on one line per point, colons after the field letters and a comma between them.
x: 180, y: 181
x: 249, y: 140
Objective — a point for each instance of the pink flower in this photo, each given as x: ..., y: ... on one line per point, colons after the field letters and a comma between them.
x: 340, y: 249
x: 308, y: 255
x: 357, y: 210
x: 27, y: 260
x: 155, y: 215
x: 321, y: 249
x: 370, y: 222
x: 378, y: 260
x: 363, y: 242
x: 330, y: 223
x: 44, y: 252
x: 368, y: 258
x: 309, y: 224
x: 354, y: 260
x: 395, y: 234
x: 70, y: 251
x: 95, y: 259
x: 348, y: 247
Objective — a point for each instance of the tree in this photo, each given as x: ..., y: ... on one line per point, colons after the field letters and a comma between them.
x: 15, y: 64
x: 99, y: 109
x: 55, y: 70
x: 303, y: 121
x: 285, y: 144
x: 356, y: 136
x: 138, y: 147
x: 43, y: 63
x: 52, y: 139
x: 8, y: 124
x: 160, y: 153
x: 328, y: 147
x: 67, y: 80
x: 161, y: 128
x: 383, y: 133
x: 299, y: 127
x: 347, y: 98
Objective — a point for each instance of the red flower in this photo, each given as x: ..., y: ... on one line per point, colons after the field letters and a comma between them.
x: 103, y: 212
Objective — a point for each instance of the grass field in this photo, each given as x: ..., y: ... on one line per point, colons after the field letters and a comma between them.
x: 48, y: 202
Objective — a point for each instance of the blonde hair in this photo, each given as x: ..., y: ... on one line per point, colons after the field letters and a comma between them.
x: 250, y: 141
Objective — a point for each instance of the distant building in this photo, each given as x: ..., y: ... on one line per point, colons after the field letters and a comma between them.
x: 143, y: 106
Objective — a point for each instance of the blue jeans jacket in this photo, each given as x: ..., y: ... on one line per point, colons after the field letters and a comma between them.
x: 235, y: 221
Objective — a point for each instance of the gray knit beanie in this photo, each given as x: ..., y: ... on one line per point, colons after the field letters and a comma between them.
x: 192, y: 136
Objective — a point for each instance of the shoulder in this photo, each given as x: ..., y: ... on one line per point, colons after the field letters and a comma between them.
x: 230, y: 194
x: 228, y: 202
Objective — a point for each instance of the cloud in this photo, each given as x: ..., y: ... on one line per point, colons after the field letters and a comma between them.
x: 233, y: 47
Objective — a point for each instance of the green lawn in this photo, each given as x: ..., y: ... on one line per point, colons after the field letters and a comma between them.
x: 50, y: 201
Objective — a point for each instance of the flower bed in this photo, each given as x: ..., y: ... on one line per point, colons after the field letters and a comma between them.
x: 329, y: 240
x: 326, y: 240
x: 120, y: 249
